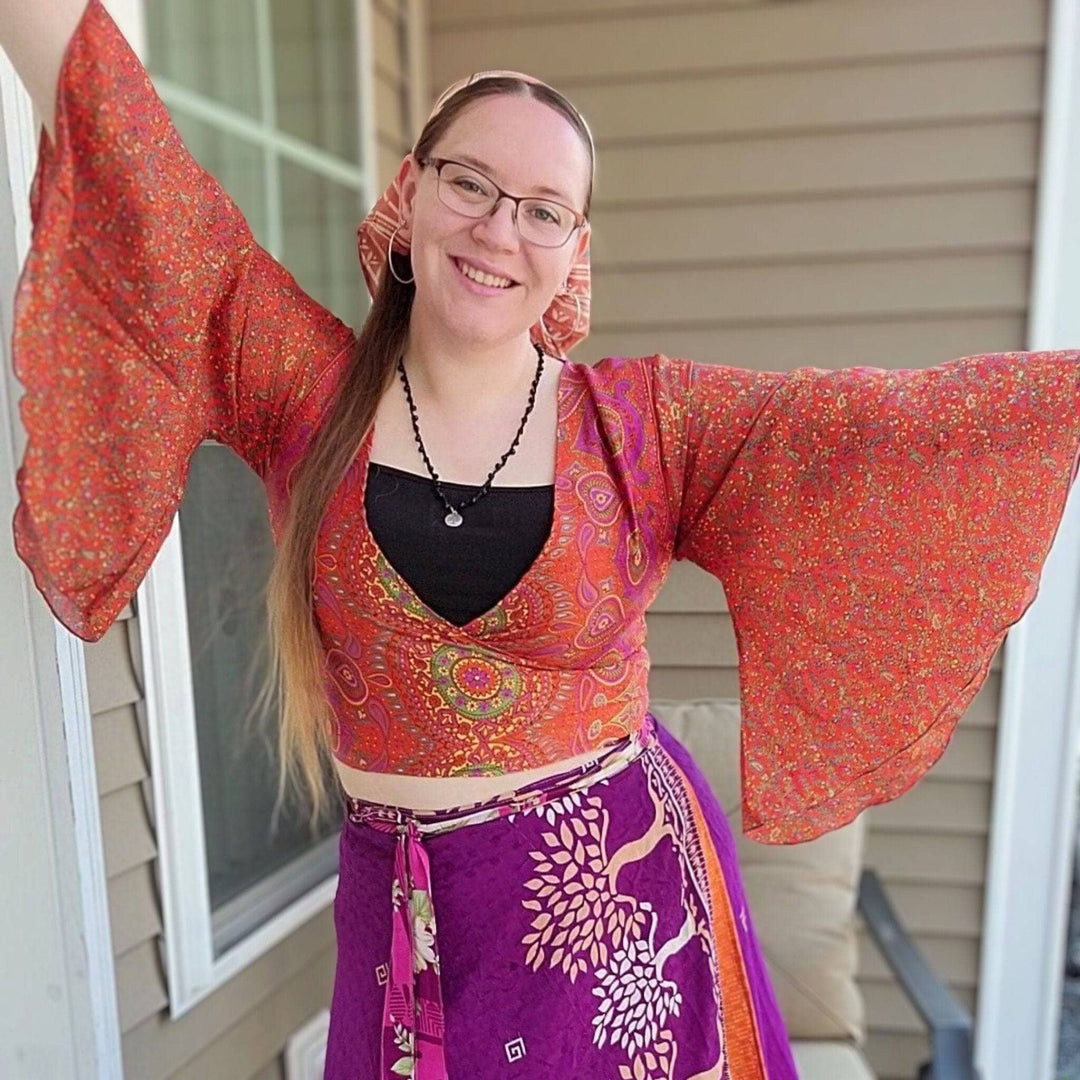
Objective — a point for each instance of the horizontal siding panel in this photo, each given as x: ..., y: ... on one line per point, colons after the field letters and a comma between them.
x: 892, y: 1011
x: 947, y: 156
x: 690, y: 640
x: 110, y: 677
x: 273, y: 1070
x: 920, y: 857
x: 684, y: 683
x: 126, y: 833
x: 133, y: 908
x: 387, y: 162
x: 394, y: 148
x: 389, y: 121
x: 937, y: 910
x: 259, y: 1036
x: 140, y: 985
x: 688, y: 590
x: 937, y: 806
x: 969, y: 755
x: 905, y: 342
x: 955, y: 960
x: 875, y: 95
x: 450, y: 12
x: 118, y: 751
x: 896, y: 1055
x: 988, y: 220
x: 392, y: 9
x: 771, y: 35
x: 159, y: 1046
x: 772, y: 294
x: 983, y: 710
x: 386, y: 45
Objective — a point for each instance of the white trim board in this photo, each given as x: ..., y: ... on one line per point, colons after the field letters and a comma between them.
x: 1033, y: 828
x: 59, y: 1006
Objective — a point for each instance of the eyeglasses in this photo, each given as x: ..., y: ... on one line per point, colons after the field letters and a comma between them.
x: 465, y: 190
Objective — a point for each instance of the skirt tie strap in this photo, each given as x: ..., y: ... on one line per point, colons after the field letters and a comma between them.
x: 413, y: 1019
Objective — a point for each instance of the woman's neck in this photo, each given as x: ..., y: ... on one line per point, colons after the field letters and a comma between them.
x: 453, y: 377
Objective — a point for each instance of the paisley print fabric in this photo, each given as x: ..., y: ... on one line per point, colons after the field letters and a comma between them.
x: 147, y: 319
x: 608, y: 893
x: 876, y: 531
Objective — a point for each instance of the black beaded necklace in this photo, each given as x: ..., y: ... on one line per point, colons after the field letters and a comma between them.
x: 453, y: 514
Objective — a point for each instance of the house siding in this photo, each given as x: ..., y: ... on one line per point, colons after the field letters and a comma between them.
x: 826, y: 183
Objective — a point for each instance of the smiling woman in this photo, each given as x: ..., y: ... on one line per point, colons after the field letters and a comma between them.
x: 582, y: 913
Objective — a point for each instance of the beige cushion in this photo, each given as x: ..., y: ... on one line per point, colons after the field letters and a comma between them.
x: 801, y: 896
x: 830, y: 1061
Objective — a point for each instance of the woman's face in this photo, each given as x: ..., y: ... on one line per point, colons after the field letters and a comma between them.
x: 524, y: 146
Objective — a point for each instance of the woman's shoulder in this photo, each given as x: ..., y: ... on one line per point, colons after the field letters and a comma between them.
x: 641, y: 380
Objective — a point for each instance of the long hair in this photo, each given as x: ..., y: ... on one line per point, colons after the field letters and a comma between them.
x: 296, y: 656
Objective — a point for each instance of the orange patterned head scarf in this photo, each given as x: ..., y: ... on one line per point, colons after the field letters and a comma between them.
x: 566, y: 320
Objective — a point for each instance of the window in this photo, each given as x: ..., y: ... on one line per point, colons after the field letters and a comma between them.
x: 273, y: 98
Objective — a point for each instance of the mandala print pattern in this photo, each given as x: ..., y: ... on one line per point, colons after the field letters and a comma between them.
x: 556, y: 667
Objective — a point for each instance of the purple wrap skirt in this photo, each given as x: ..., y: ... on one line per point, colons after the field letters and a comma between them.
x: 590, y: 925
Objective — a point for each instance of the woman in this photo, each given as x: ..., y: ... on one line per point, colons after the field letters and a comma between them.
x: 471, y: 653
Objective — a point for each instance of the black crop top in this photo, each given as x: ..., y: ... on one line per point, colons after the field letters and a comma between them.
x: 461, y: 572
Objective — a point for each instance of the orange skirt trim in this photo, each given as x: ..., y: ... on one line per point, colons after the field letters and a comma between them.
x: 742, y: 1045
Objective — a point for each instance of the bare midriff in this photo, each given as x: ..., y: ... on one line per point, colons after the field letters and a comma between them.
x: 443, y: 792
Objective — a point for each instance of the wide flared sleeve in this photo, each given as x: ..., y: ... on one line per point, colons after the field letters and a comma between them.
x: 147, y: 319
x: 876, y: 533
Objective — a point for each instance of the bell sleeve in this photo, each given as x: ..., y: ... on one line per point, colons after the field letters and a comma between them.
x: 147, y: 319
x: 876, y: 533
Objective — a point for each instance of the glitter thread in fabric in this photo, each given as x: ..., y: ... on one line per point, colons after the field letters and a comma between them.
x: 876, y: 531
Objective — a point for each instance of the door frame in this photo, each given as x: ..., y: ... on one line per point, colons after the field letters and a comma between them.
x: 62, y: 1011
x: 1034, y: 812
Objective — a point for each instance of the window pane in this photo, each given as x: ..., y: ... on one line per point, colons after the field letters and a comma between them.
x: 213, y: 51
x: 207, y: 47
x: 315, y: 81
x: 319, y: 241
x: 228, y: 549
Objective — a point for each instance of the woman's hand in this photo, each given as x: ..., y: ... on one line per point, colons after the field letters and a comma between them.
x: 35, y: 36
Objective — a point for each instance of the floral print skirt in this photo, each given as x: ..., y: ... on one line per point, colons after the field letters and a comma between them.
x: 592, y: 924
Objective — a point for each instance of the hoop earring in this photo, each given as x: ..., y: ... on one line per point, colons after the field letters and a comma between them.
x: 390, y: 258
x: 577, y: 311
x: 554, y: 348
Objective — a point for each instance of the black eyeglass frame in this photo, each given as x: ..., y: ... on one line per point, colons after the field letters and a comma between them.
x: 517, y: 200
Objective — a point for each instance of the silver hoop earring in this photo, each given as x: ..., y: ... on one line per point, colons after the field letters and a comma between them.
x: 390, y: 259
x: 577, y: 311
x: 577, y: 305
x: 547, y: 333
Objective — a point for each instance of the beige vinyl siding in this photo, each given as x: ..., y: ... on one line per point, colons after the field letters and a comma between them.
x: 239, y: 1031
x: 827, y: 183
x: 390, y: 36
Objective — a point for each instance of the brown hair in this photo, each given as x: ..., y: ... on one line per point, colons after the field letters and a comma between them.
x: 296, y: 656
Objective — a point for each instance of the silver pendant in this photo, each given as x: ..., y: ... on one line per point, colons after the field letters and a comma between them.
x: 453, y: 519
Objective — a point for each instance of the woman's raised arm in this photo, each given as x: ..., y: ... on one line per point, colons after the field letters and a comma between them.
x: 34, y: 36
x: 876, y: 531
x: 147, y: 320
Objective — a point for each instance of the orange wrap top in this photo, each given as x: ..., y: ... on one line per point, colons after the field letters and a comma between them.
x: 876, y: 531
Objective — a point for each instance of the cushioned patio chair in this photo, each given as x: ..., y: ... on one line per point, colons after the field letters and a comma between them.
x: 803, y: 900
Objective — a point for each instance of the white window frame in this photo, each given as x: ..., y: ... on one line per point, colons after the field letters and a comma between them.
x: 193, y: 971
x: 1033, y: 830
